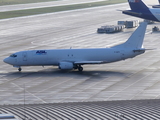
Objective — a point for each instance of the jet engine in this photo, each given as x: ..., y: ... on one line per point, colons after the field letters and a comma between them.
x: 65, y: 65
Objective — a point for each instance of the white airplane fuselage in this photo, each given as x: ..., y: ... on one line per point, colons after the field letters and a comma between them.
x: 74, y: 58
x: 54, y: 57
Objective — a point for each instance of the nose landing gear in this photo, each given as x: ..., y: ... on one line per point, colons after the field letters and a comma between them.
x: 19, y: 69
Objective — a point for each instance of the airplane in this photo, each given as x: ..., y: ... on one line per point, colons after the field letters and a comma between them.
x: 139, y: 9
x: 68, y: 59
x: 156, y: 6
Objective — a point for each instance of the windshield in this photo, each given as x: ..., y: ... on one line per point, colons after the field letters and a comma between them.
x: 13, y: 55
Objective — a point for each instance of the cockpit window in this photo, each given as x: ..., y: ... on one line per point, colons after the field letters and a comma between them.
x: 13, y: 55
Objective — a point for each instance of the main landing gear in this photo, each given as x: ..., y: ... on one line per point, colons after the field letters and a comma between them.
x: 79, y: 67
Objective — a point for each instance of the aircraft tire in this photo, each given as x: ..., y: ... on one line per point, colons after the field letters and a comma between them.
x: 19, y: 69
x: 80, y: 69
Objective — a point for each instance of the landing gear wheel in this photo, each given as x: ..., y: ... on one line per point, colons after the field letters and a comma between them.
x: 80, y: 69
x: 19, y: 69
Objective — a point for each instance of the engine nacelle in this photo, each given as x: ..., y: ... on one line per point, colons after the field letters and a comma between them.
x: 65, y: 66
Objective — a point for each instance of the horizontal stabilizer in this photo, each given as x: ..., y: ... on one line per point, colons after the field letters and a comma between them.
x: 88, y: 62
x: 156, y: 6
x: 142, y: 50
x: 139, y: 50
x: 119, y: 10
x: 129, y: 12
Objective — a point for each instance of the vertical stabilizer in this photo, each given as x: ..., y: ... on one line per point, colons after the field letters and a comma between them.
x: 139, y: 9
x: 137, y: 5
x: 136, y: 39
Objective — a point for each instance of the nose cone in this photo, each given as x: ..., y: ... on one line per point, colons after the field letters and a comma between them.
x: 7, y: 60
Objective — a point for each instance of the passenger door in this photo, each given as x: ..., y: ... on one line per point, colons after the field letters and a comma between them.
x: 24, y: 56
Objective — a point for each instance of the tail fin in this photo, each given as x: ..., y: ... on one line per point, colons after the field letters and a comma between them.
x: 136, y: 39
x: 139, y: 9
x: 137, y: 5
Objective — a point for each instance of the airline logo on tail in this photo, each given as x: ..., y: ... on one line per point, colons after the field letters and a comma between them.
x: 133, y: 1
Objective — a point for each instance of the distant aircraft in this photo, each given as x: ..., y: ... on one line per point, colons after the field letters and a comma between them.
x: 156, y: 6
x: 139, y: 9
x: 67, y: 59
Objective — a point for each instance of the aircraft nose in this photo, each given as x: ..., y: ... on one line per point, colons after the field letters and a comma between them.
x: 6, y: 60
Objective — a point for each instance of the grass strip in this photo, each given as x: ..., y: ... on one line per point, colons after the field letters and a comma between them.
x: 13, y: 2
x: 19, y: 13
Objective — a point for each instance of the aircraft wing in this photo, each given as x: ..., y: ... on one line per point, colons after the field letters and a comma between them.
x: 88, y: 62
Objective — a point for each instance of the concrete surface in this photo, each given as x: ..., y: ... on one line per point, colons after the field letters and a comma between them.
x: 132, y: 79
